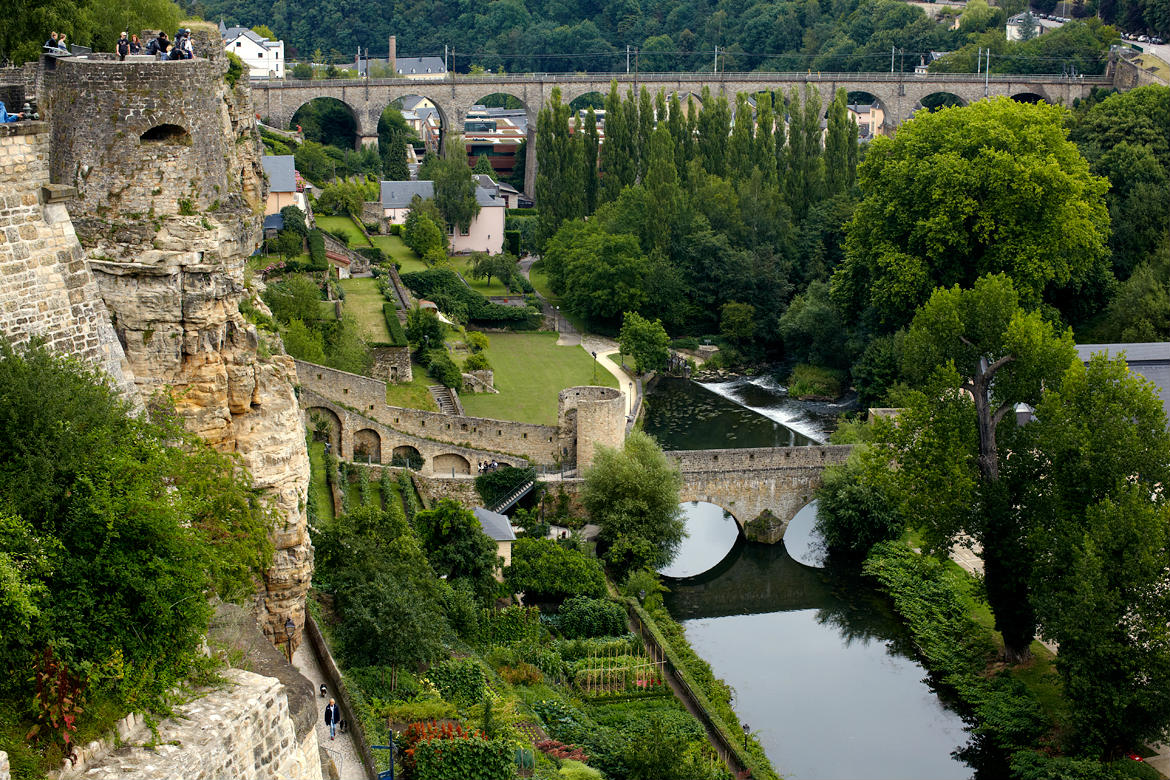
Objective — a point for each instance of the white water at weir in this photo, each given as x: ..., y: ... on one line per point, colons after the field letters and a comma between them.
x: 784, y: 411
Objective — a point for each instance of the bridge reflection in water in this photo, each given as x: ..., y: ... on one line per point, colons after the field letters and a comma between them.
x: 824, y: 673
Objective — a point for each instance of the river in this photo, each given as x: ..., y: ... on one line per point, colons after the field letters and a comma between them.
x: 824, y: 674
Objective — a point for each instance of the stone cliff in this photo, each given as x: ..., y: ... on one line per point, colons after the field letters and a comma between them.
x: 169, y: 193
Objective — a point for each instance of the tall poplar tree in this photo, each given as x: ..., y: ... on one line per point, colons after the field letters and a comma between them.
x: 665, y: 195
x: 714, y: 128
x: 765, y: 147
x: 840, y: 147
x: 742, y: 157
x: 589, y: 162
x: 645, y: 130
x: 616, y: 155
x: 677, y: 125
x: 559, y: 186
x: 630, y: 114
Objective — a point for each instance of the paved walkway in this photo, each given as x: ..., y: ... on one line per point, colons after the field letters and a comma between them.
x: 341, y: 750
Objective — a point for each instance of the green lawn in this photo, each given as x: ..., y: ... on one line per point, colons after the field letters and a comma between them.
x: 343, y: 225
x: 530, y: 369
x: 317, y: 476
x: 462, y: 266
x: 363, y: 301
x: 393, y: 248
x: 413, y: 395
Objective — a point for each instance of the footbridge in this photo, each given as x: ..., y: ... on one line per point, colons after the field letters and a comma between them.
x: 749, y: 482
x: 898, y: 94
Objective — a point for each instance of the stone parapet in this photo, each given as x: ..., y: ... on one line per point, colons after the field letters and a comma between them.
x: 242, y: 730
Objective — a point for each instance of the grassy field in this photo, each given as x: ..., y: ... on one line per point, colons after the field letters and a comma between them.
x: 317, y: 476
x: 363, y: 301
x: 462, y: 266
x: 413, y: 395
x: 530, y: 369
x: 343, y: 225
x: 393, y: 248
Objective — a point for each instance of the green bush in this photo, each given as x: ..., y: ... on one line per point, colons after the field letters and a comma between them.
x: 317, y: 259
x: 397, y: 336
x: 461, y: 681
x: 395, y: 230
x: 473, y: 758
x: 236, y: 68
x: 513, y: 625
x: 548, y: 572
x: 858, y: 505
x: 372, y: 253
x: 476, y: 361
x: 409, y: 712
x: 441, y: 367
x: 458, y: 301
x: 581, y: 616
x: 816, y: 383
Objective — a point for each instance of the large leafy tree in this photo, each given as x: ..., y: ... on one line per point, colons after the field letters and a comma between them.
x: 547, y: 571
x: 644, y: 340
x: 977, y: 354
x: 456, y: 545
x: 454, y: 187
x: 115, y: 528
x: 632, y: 493
x: 994, y: 187
x: 1094, y: 473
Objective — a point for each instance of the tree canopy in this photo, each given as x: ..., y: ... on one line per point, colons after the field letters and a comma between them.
x: 994, y: 187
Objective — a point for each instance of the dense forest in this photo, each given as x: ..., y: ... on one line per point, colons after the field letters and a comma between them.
x: 570, y: 35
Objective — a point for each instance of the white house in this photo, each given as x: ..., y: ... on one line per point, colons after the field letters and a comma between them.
x: 1022, y: 27
x: 264, y: 58
x: 486, y: 232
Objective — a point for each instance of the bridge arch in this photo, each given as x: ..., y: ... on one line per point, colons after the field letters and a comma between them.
x: 450, y: 463
x: 419, y: 108
x: 326, y: 102
x: 938, y: 100
x: 325, y: 425
x: 1029, y: 97
x: 367, y: 446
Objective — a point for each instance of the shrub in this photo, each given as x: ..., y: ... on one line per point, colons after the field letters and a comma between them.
x: 397, y: 336
x: 522, y: 674
x: 545, y: 571
x: 512, y: 625
x: 441, y: 367
x: 857, y: 505
x: 407, y: 712
x: 457, y: 300
x: 476, y: 361
x: 581, y: 616
x: 461, y: 681
x: 815, y: 383
x: 317, y: 259
x: 395, y: 230
x: 235, y: 69
x: 372, y: 253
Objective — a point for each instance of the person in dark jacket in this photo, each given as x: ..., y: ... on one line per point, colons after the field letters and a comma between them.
x: 135, y: 45
x: 122, y: 47
x: 52, y: 42
x: 159, y: 45
x: 332, y: 716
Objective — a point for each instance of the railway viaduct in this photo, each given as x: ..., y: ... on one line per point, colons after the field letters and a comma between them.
x: 898, y: 94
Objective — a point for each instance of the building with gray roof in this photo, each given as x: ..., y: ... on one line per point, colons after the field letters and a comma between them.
x: 1151, y: 359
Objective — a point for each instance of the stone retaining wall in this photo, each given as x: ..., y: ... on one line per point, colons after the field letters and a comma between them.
x: 759, y: 458
x: 241, y: 730
x: 337, y: 685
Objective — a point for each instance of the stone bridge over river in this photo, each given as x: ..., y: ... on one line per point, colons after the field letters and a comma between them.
x: 898, y: 94
x: 769, y: 484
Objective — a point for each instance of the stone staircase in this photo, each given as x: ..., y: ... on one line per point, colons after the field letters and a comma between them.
x: 447, y: 399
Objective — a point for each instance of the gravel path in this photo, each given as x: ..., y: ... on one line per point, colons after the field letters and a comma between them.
x: 341, y: 750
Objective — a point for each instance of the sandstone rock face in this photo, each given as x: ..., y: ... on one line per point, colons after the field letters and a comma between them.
x: 171, y: 273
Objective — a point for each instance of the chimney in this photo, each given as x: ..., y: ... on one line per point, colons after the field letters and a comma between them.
x: 393, y: 59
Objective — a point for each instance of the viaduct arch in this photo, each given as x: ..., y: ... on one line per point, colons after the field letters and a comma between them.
x: 900, y: 93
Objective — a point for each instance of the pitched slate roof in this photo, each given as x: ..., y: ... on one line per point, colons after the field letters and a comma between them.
x: 412, y: 66
x: 495, y: 525
x: 282, y: 172
x: 1150, y: 359
x: 231, y: 33
x: 274, y: 222
x: 398, y: 194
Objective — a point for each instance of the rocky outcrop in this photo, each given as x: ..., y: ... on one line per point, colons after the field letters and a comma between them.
x: 167, y: 247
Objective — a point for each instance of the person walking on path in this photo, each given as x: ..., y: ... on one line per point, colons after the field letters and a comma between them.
x: 332, y: 716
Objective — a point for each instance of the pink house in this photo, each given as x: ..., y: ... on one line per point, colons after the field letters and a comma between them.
x: 486, y: 232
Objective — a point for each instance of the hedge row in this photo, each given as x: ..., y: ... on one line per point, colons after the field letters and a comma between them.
x: 317, y: 250
x: 457, y: 300
x: 397, y: 336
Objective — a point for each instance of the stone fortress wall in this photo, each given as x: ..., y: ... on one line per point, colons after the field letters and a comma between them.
x: 47, y: 291
x: 599, y: 408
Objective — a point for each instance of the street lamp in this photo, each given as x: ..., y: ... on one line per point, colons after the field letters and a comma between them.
x: 290, y: 628
x: 746, y: 729
x: 595, y: 368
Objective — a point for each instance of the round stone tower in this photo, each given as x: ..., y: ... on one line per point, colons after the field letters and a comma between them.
x: 589, y: 416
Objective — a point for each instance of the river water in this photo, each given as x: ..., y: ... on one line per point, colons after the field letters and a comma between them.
x: 824, y: 673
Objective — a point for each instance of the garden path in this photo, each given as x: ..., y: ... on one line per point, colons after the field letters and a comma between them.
x: 342, y: 749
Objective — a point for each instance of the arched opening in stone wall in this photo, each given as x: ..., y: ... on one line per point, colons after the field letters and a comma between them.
x: 324, y: 425
x: 936, y: 101
x: 327, y: 121
x: 1027, y: 97
x: 423, y: 116
x: 870, y: 114
x: 367, y: 446
x: 451, y: 463
x: 496, y: 129
x: 594, y: 100
x: 406, y: 456
x: 166, y: 134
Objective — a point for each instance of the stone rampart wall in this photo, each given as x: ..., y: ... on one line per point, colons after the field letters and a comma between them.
x: 759, y: 458
x: 47, y: 290
x: 600, y: 419
x: 392, y: 364
x: 541, y: 443
x: 242, y: 730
